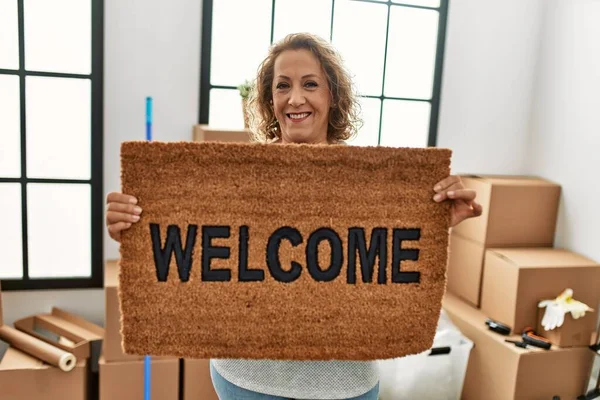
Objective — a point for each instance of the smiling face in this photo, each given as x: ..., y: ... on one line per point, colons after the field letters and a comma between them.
x: 301, y: 97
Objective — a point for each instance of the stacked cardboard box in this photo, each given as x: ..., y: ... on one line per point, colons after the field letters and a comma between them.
x: 501, y: 265
x: 25, y: 377
x: 122, y: 375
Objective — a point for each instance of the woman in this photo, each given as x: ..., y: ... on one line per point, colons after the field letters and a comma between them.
x: 303, y: 95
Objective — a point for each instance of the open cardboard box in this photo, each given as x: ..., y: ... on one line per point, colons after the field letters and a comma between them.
x: 25, y: 377
x: 68, y: 332
x: 498, y: 370
x: 518, y: 211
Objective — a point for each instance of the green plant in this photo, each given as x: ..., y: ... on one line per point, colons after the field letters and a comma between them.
x: 245, y: 89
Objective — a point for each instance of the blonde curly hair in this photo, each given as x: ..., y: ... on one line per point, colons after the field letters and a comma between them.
x: 344, y: 120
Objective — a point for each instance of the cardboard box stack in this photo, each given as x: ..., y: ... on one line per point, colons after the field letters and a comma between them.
x: 501, y: 266
x: 122, y: 375
x: 23, y: 376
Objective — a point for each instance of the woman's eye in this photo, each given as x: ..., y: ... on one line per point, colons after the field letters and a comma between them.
x: 311, y: 84
x: 282, y: 85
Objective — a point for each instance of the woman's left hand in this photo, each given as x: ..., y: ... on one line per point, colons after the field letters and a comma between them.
x: 463, y: 200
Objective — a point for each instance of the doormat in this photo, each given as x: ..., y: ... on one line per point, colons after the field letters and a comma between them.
x: 297, y: 252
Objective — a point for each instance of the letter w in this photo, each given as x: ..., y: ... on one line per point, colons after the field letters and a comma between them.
x: 183, y: 256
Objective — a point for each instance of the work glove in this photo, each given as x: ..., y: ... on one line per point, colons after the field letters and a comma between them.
x: 554, y: 316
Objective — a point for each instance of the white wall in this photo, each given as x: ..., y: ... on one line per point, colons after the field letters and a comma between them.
x: 565, y: 135
x: 487, y: 87
x: 152, y: 48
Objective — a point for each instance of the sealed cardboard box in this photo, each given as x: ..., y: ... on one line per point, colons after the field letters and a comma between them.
x: 465, y: 268
x: 498, y: 370
x: 197, y: 383
x: 124, y: 380
x: 518, y: 211
x: 112, y: 350
x: 205, y: 133
x: 25, y: 377
x: 516, y: 280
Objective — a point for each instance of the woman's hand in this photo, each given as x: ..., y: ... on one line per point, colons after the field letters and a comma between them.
x: 463, y: 200
x: 121, y: 213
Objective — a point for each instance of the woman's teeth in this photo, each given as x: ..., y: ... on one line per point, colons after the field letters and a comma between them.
x: 298, y: 116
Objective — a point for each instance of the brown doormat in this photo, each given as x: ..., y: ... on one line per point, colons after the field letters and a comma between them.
x: 268, y: 251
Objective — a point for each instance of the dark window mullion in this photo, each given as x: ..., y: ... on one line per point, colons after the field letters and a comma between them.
x: 437, y: 80
x: 387, y: 33
x: 272, y: 21
x: 206, y: 44
x: 23, y: 112
x: 331, y: 26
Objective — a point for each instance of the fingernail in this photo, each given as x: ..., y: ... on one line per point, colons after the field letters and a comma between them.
x: 450, y: 194
x: 437, y: 188
x: 133, y: 200
x: 137, y: 210
x: 136, y: 218
x: 437, y: 197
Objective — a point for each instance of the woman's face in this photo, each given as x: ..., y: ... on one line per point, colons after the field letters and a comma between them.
x: 301, y: 97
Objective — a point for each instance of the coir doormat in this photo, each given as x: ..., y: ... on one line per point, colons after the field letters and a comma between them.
x: 295, y: 252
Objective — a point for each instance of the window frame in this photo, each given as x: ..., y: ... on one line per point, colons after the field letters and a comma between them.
x: 96, y: 280
x: 205, y: 62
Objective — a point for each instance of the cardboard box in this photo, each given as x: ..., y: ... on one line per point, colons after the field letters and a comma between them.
x: 572, y: 333
x: 501, y: 371
x: 68, y: 332
x: 465, y: 268
x: 204, y: 133
x: 197, y: 383
x: 25, y: 377
x: 516, y: 280
x: 124, y: 380
x: 112, y: 350
x: 518, y: 211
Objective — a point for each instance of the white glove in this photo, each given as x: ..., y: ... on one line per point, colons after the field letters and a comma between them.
x: 558, y: 307
x: 554, y: 316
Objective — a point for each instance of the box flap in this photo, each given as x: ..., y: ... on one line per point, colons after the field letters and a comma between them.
x: 512, y: 180
x: 111, y: 273
x: 543, y: 257
x: 86, y: 329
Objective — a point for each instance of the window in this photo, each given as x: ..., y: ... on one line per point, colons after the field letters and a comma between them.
x: 51, y: 199
x: 394, y: 49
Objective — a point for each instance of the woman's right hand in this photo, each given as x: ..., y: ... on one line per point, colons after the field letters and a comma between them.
x: 121, y: 212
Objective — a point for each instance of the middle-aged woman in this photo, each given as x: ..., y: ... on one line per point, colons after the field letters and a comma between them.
x: 303, y: 94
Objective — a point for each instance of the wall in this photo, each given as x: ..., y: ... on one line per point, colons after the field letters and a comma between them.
x: 565, y: 140
x: 152, y: 48
x: 487, y: 88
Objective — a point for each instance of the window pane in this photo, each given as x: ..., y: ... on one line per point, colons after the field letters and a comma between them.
x: 59, y: 230
x: 10, y: 127
x: 368, y: 135
x: 292, y: 16
x: 405, y: 123
x: 58, y: 127
x: 240, y: 39
x: 363, y: 49
x: 411, y: 52
x: 11, y: 233
x: 58, y: 36
x: 425, y: 3
x: 225, y: 109
x: 9, y: 35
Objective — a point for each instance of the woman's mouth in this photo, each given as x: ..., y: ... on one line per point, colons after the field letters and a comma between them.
x: 298, y: 117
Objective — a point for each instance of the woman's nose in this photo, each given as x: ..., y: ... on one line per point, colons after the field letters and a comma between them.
x: 296, y: 98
